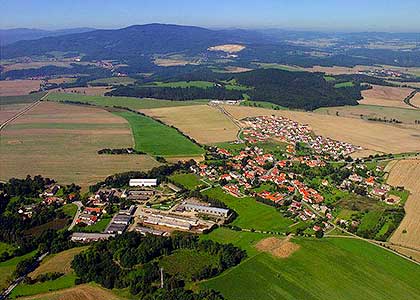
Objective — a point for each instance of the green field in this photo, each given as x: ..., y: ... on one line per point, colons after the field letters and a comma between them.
x: 279, y: 66
x: 113, y: 81
x: 187, y: 262
x: 344, y: 84
x: 329, y: 78
x: 263, y: 104
x: 188, y: 181
x: 99, y: 226
x: 130, y: 102
x: 182, y: 84
x: 63, y: 282
x: 21, y: 99
x: 8, y: 267
x: 155, y: 138
x: 369, y: 221
x: 4, y: 247
x: 252, y: 214
x: 69, y: 210
x: 329, y: 268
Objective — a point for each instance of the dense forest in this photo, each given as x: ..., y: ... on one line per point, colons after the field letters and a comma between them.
x: 300, y: 90
x: 132, y: 260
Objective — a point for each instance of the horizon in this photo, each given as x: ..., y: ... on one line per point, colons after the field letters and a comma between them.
x: 328, y: 16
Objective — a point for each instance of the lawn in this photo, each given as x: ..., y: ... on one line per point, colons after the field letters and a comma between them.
x: 330, y: 268
x: 252, y: 214
x: 8, y: 267
x: 155, y: 138
x: 63, y: 282
x: 69, y: 210
x: 99, y: 226
x: 130, y: 102
x: 187, y: 262
x: 188, y: 181
x: 344, y: 84
x: 369, y: 221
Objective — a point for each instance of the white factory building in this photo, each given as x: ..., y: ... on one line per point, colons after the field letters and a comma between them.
x: 143, y: 182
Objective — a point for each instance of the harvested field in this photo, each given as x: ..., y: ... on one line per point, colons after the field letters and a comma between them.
x: 59, y: 262
x: 79, y: 292
x: 18, y: 87
x: 369, y: 135
x: 203, y: 123
x: 89, y: 91
x: 35, y: 65
x: 229, y: 48
x: 9, y: 110
x: 405, y: 115
x: 277, y: 247
x: 233, y: 69
x: 170, y: 62
x: 61, y: 141
x: 386, y: 96
x: 62, y: 80
x: 407, y: 173
x: 416, y: 100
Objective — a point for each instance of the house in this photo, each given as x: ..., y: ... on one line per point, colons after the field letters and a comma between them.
x: 142, y: 182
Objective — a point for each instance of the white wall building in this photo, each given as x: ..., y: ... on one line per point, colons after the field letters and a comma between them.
x: 143, y: 182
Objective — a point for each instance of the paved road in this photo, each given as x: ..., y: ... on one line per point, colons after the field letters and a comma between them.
x: 76, y: 216
x: 22, y: 112
x: 15, y: 283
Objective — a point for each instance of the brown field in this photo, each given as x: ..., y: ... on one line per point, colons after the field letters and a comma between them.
x: 62, y: 80
x: 232, y: 69
x: 416, y: 100
x: 60, y: 262
x: 79, y: 292
x: 61, y: 141
x: 282, y: 248
x: 9, y: 110
x: 369, y: 135
x: 90, y: 90
x: 18, y: 87
x: 203, y: 123
x: 407, y: 173
x: 35, y: 65
x: 386, y: 96
x: 229, y: 48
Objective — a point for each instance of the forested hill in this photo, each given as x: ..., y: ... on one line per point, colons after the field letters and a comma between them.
x: 301, y: 90
x: 128, y: 42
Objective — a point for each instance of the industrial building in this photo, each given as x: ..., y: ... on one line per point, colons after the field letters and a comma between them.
x: 208, y: 210
x: 143, y: 182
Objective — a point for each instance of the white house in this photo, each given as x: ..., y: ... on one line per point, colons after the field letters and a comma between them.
x: 143, y: 182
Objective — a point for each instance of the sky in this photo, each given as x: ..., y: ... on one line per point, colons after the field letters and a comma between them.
x: 322, y: 15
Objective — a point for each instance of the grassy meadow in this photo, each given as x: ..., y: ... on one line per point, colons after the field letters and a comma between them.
x: 130, y: 102
x: 155, y: 138
x: 188, y: 181
x: 8, y: 267
x: 252, y: 214
x: 330, y: 268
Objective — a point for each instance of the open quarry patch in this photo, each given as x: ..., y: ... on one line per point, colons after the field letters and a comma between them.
x: 277, y: 247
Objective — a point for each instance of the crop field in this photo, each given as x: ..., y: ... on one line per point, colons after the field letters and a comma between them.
x: 330, y: 268
x: 114, y: 81
x: 18, y: 87
x: 79, y: 292
x: 252, y: 214
x: 344, y: 84
x: 88, y: 91
x: 59, y: 262
x: 229, y: 48
x: 405, y: 115
x: 370, y: 135
x: 130, y: 102
x: 188, y: 181
x: 203, y: 123
x: 61, y: 142
x: 386, y: 96
x: 407, y: 173
x: 154, y: 138
x: 8, y: 267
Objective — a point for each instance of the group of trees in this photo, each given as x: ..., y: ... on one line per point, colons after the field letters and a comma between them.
x: 120, y: 151
x: 130, y: 260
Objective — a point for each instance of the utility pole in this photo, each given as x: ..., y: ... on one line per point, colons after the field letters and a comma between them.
x: 161, y: 278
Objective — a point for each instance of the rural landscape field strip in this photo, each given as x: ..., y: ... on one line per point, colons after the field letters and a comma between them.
x: 407, y: 173
x: 386, y: 96
x: 68, y: 154
x: 155, y: 138
x: 203, y: 123
x: 333, y: 268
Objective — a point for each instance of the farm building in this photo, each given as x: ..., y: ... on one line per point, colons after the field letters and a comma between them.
x: 208, y: 210
x: 146, y: 230
x: 86, y: 237
x: 143, y: 182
